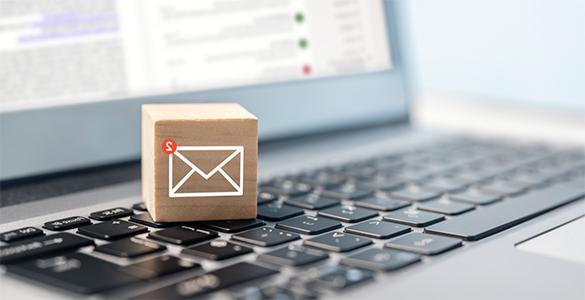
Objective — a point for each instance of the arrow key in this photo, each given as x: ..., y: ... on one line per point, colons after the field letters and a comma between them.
x: 266, y: 236
x: 338, y: 242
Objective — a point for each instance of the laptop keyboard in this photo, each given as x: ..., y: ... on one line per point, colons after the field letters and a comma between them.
x: 318, y: 231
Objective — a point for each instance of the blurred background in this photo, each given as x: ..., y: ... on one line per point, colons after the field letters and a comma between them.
x: 522, y: 50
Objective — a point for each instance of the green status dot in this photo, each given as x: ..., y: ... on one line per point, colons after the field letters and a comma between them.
x: 303, y: 43
x: 299, y: 17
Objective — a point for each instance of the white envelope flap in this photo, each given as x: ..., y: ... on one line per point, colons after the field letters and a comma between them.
x: 238, y: 186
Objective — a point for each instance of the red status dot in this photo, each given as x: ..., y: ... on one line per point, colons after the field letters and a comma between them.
x: 307, y: 70
x: 169, y: 146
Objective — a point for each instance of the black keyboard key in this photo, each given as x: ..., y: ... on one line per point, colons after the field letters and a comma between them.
x: 498, y: 217
x: 349, y: 214
x: 293, y: 256
x: 277, y: 212
x: 20, y: 234
x: 217, y: 250
x: 308, y: 225
x: 266, y: 197
x: 130, y: 248
x: 113, y: 229
x: 445, y: 206
x: 266, y: 237
x: 289, y: 188
x: 422, y: 243
x: 338, y: 242
x: 146, y: 219
x: 183, y: 235
x: 387, y: 162
x: 231, y: 226
x: 445, y: 184
x: 528, y: 178
x: 473, y: 175
x: 413, y: 217
x: 413, y: 173
x: 381, y: 202
x: 501, y: 188
x: 381, y: 259
x: 159, y: 266
x: 415, y: 193
x: 112, y: 213
x: 67, y: 223
x: 277, y: 291
x: 360, y: 173
x: 340, y: 277
x: 348, y: 191
x: 313, y: 201
x: 209, y: 282
x: 76, y: 272
x: 139, y: 206
x: 475, y: 197
x: 378, y: 229
x: 383, y: 183
x: 326, y: 179
x: 40, y: 246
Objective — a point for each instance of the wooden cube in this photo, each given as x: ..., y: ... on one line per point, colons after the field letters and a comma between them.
x: 199, y: 161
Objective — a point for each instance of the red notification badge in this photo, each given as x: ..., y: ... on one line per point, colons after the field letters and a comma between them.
x: 169, y: 146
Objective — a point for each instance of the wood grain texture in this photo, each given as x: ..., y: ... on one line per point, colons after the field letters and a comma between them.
x: 197, y: 125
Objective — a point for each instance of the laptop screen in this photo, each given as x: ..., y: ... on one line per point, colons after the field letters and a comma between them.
x: 67, y: 52
x: 75, y: 73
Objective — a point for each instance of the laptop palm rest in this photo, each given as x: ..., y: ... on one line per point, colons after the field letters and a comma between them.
x: 565, y: 242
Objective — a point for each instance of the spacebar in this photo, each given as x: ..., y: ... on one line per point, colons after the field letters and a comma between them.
x: 486, y: 221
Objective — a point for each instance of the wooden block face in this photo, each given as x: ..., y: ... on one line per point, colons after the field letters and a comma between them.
x: 202, y: 166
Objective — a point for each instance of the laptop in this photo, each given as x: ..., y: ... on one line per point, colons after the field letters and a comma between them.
x: 353, y: 200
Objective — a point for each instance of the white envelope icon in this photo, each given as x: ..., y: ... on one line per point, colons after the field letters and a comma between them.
x: 239, y: 191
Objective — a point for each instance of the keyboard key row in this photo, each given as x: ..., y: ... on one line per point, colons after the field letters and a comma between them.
x: 415, y: 194
x: 350, y: 191
x: 338, y: 277
x: 349, y: 214
x: 211, y: 281
x: 308, y: 225
x: 67, y: 223
x: 217, y: 250
x: 109, y: 214
x: 76, y: 272
x: 293, y: 256
x: 183, y: 235
x: 266, y: 237
x: 40, y: 246
x: 498, y: 217
x: 289, y: 188
x: 423, y: 243
x: 378, y: 229
x: 130, y: 248
x: 85, y: 274
x: 313, y: 201
x: 20, y: 234
x: 113, y: 229
x: 232, y: 226
x: 277, y: 212
x: 445, y: 206
x: 381, y: 259
x: 338, y: 242
x: 413, y: 217
x: 382, y: 203
x: 146, y: 219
